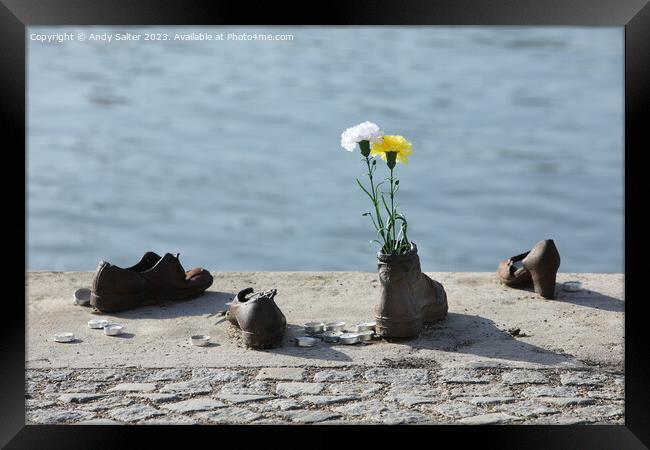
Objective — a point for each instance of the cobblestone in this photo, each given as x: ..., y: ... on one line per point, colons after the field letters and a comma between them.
x: 549, y: 391
x: 193, y: 387
x: 134, y: 387
x: 38, y: 403
x: 489, y: 419
x: 232, y: 415
x: 243, y: 398
x: 361, y: 389
x: 560, y: 420
x: 98, y: 422
x: 603, y: 411
x: 291, y: 389
x: 281, y: 373
x: 479, y: 390
x: 582, y: 378
x: 524, y: 377
x: 397, y: 376
x: 327, y: 399
x: 567, y: 401
x: 169, y: 419
x: 279, y: 404
x: 166, y: 375
x: 155, y: 397
x: 78, y: 398
x: 380, y: 412
x: 488, y: 401
x: 387, y: 395
x: 308, y: 416
x: 527, y: 408
x: 397, y: 417
x: 454, y: 409
x: 194, y: 404
x: 58, y: 416
x: 59, y: 375
x: 410, y: 399
x: 108, y: 403
x: 608, y: 394
x: 335, y: 375
x: 218, y: 375
x: 246, y: 388
x: 72, y: 387
x: 134, y: 412
x: 102, y: 375
x: 457, y: 375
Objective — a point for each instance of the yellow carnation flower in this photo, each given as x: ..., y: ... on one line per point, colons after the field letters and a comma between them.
x: 396, y: 144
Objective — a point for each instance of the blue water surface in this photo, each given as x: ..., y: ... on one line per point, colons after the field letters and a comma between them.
x: 229, y: 152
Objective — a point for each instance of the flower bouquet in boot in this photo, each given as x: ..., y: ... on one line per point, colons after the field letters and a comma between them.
x: 408, y: 298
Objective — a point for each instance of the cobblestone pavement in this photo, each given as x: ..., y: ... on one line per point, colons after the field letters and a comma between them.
x: 277, y: 395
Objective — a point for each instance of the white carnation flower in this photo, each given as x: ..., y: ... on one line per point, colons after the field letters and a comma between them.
x: 366, y: 131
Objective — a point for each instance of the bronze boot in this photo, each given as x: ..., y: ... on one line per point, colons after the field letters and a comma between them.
x: 542, y: 262
x: 408, y: 299
x: 260, y: 320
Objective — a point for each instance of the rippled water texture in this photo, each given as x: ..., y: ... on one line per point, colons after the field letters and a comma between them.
x: 229, y: 152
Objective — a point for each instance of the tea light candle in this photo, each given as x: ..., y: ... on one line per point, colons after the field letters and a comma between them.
x: 81, y: 296
x: 572, y: 286
x: 64, y: 337
x: 113, y: 330
x: 305, y: 341
x: 200, y: 340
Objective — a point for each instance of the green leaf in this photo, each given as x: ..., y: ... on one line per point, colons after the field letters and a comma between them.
x: 365, y: 190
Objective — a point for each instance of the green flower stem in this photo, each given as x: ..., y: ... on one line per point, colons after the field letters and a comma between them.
x: 374, y: 198
x: 392, y: 203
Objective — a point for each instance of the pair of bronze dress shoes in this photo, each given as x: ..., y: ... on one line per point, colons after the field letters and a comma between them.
x: 538, y: 266
x: 156, y: 280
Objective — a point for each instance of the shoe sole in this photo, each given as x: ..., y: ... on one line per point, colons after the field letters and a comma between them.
x: 398, y: 328
x: 115, y: 303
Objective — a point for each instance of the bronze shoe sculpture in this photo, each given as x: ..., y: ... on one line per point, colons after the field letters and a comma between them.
x: 151, y: 281
x: 408, y: 299
x: 260, y: 320
x: 539, y: 265
x: 511, y: 271
x: 542, y: 262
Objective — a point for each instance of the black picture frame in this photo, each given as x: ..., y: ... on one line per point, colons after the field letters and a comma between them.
x: 633, y: 15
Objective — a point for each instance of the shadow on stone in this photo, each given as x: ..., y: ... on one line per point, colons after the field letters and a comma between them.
x: 476, y: 335
x: 322, y: 350
x: 591, y: 299
x: 124, y: 336
x: 583, y: 297
x: 206, y: 304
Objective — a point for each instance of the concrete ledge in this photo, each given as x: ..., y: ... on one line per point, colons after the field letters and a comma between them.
x: 578, y: 329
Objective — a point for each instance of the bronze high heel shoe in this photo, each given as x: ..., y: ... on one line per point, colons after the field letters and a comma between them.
x: 511, y: 271
x: 542, y: 262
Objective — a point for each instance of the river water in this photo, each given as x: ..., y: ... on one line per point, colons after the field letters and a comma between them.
x: 229, y: 152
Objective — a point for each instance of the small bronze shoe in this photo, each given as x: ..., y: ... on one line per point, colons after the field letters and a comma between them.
x: 538, y: 266
x: 511, y: 271
x: 542, y: 262
x: 260, y: 320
